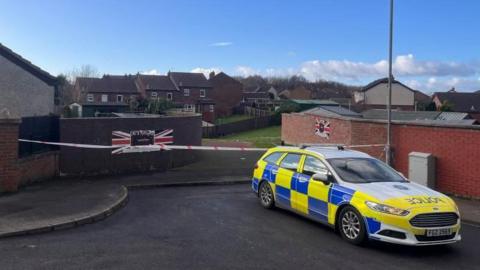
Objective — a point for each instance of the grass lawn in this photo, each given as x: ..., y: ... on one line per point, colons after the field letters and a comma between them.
x: 264, y: 137
x: 232, y: 118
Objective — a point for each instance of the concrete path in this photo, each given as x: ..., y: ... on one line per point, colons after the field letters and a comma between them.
x: 469, y: 209
x: 57, y: 205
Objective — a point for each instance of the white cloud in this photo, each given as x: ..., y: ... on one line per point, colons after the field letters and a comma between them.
x: 221, y: 44
x: 150, y: 72
x: 206, y: 71
x: 403, y: 65
x: 246, y: 71
x: 434, y: 84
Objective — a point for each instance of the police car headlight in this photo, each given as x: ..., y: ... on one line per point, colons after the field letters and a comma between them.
x: 386, y: 209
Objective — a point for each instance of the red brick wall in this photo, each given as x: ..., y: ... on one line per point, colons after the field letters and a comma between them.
x: 226, y: 92
x: 298, y: 128
x: 9, y: 173
x: 38, y: 167
x: 369, y: 133
x: 15, y: 172
x: 457, y: 150
x: 457, y: 153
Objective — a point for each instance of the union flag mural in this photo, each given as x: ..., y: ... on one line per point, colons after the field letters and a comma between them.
x: 322, y: 128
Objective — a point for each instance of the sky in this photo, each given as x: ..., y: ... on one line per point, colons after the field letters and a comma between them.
x: 436, y: 42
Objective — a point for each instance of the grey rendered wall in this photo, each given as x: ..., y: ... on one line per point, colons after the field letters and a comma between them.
x: 22, y: 93
x: 187, y: 130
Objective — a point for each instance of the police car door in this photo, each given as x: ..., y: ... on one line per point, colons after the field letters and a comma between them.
x: 314, y: 198
x: 284, y: 180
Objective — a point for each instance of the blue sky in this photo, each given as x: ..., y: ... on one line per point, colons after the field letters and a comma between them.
x: 436, y: 43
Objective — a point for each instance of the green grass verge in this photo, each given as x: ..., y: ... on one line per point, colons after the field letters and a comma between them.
x: 231, y: 119
x: 263, y: 137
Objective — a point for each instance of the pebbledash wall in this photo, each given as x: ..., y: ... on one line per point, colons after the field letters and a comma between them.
x: 456, y: 148
x: 14, y: 171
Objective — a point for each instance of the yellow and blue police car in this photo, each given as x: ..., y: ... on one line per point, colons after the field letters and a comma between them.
x: 358, y: 195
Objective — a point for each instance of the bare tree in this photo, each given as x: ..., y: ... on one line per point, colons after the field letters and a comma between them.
x: 83, y: 71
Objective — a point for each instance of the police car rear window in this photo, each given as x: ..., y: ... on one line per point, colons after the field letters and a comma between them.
x: 273, y: 157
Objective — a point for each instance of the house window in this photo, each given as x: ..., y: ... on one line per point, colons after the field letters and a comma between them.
x: 202, y: 93
x: 169, y: 96
x: 154, y: 94
x: 186, y: 92
x: 104, y: 98
x: 212, y: 108
x: 90, y: 97
x: 119, y: 98
x: 188, y: 108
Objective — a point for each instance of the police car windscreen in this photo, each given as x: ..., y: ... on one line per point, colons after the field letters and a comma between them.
x: 364, y: 170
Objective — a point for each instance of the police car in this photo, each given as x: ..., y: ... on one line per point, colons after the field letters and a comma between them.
x: 358, y: 195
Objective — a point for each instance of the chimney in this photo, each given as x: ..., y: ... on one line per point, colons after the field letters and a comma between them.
x: 211, y: 75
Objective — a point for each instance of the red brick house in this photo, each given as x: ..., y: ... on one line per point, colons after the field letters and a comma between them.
x: 226, y: 92
x: 193, y: 91
x: 460, y: 102
x: 111, y: 93
x: 157, y: 86
x: 189, y: 91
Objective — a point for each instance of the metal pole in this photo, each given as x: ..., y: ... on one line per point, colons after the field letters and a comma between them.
x: 389, y: 103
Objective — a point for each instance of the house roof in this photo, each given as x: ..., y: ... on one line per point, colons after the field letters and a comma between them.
x: 380, y: 114
x: 104, y: 104
x: 221, y: 76
x: 27, y: 65
x: 422, y: 97
x: 447, y: 116
x: 189, y: 79
x: 314, y: 102
x: 157, y: 82
x: 332, y: 111
x: 461, y: 101
x: 109, y: 84
x: 256, y: 95
x: 383, y: 80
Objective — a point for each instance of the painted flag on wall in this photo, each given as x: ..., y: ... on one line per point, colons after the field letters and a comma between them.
x: 139, y: 140
x: 322, y: 128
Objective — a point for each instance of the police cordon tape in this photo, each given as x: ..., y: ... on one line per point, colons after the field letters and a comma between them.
x: 158, y: 147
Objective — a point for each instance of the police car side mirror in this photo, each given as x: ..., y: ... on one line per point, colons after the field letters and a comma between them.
x: 325, y: 177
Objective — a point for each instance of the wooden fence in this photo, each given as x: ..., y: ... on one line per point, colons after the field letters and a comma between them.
x: 235, y: 127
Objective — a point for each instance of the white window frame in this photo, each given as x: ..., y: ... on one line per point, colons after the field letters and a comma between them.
x: 90, y: 98
x: 186, y: 92
x: 188, y: 108
x: 104, y: 98
x: 169, y: 96
x: 212, y: 108
x: 203, y: 93
x: 119, y: 98
x: 154, y: 94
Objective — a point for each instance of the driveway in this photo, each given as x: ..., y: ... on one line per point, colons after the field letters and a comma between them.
x: 218, y: 227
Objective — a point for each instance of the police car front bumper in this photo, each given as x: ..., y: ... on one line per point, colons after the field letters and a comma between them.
x: 415, y: 236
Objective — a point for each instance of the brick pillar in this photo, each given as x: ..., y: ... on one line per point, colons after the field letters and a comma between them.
x: 9, y: 172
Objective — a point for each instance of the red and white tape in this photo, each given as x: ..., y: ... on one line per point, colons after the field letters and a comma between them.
x: 149, y: 147
x: 142, y: 148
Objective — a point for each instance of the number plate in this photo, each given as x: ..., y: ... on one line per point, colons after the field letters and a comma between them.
x: 439, y: 232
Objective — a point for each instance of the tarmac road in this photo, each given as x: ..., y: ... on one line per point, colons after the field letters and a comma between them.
x: 218, y: 227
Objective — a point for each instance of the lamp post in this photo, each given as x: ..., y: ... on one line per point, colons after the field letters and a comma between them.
x: 389, y: 99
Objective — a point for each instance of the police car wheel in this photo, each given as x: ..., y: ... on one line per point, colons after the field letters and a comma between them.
x: 351, y: 226
x: 266, y: 195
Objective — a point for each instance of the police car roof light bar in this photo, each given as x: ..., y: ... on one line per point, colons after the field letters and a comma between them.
x: 338, y: 146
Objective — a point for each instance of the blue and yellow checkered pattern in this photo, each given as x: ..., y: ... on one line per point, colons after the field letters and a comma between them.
x: 297, y: 191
